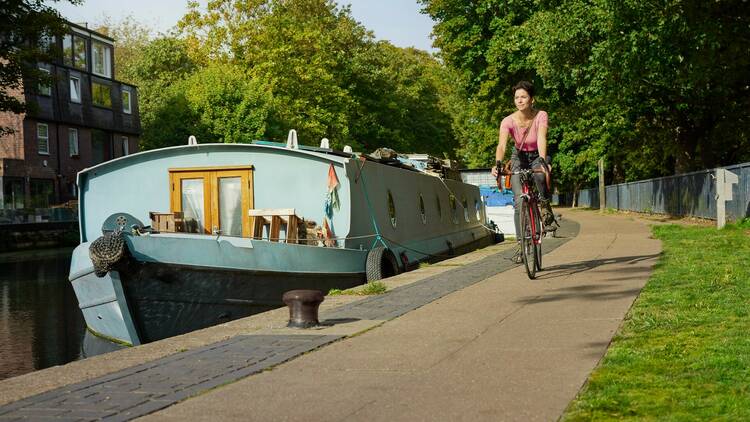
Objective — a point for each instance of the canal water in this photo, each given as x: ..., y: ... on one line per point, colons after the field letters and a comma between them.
x: 40, y: 322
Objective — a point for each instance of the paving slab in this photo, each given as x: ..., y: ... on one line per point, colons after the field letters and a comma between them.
x: 502, y: 348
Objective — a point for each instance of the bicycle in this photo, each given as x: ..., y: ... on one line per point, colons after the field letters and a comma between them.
x: 532, y: 229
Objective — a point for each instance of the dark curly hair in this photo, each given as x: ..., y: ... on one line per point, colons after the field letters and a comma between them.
x: 526, y: 86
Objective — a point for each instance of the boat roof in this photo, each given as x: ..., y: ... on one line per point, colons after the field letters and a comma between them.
x: 327, y: 154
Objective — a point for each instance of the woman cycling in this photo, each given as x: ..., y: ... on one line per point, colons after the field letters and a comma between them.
x: 528, y: 127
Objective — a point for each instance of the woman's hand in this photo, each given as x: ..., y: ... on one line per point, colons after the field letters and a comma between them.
x: 497, y: 169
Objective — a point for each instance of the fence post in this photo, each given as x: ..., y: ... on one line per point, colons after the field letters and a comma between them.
x: 724, y: 181
x: 602, y: 191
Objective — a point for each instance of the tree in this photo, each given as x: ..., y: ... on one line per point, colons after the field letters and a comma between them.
x: 328, y: 76
x: 26, y: 26
x: 654, y: 87
x: 229, y: 106
x: 158, y: 71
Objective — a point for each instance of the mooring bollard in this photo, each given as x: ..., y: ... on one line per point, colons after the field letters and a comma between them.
x: 303, y: 307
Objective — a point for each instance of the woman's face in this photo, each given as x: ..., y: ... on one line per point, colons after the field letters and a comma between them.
x: 523, y: 100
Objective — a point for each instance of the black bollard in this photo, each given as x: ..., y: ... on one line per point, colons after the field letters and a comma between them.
x: 303, y: 307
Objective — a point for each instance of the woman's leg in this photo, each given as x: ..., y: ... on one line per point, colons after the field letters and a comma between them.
x: 515, y: 185
x: 540, y: 180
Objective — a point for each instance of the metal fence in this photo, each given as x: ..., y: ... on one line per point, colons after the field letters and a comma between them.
x: 38, y: 215
x: 684, y: 195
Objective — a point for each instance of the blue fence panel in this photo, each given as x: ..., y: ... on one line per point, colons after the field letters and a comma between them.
x: 691, y: 194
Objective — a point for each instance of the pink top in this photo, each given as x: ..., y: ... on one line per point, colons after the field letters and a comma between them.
x: 518, y: 132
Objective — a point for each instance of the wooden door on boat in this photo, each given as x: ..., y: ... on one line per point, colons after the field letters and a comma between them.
x: 213, y: 200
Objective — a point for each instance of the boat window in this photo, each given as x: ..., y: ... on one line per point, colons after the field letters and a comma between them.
x: 230, y: 206
x: 421, y: 209
x: 213, y: 200
x: 192, y: 204
x: 478, y: 206
x: 439, y: 208
x: 454, y: 211
x: 465, y: 205
x: 391, y: 209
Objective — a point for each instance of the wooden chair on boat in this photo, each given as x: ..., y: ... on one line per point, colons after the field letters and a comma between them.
x: 272, y: 221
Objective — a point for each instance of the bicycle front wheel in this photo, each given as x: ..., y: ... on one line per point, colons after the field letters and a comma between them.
x: 528, y: 249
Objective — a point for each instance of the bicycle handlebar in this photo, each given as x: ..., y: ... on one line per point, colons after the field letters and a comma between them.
x: 510, y: 173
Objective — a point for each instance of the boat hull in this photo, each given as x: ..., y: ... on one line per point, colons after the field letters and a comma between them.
x: 148, y: 298
x: 169, y: 299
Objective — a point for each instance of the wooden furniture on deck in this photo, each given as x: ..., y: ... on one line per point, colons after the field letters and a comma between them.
x: 271, y: 222
x: 168, y: 222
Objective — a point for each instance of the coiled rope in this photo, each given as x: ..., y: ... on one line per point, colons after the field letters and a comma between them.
x: 107, y: 251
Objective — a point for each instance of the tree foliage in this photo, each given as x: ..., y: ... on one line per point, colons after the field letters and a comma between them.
x: 245, y: 69
x: 25, y: 24
x: 653, y: 87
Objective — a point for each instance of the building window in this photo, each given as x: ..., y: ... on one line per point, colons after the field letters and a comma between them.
x: 99, y: 141
x: 73, y: 142
x: 67, y: 44
x: 47, y: 43
x: 101, y: 59
x: 13, y: 193
x: 79, y: 52
x: 45, y: 87
x: 125, y: 146
x: 42, y: 193
x: 75, y: 89
x: 126, y: 102
x: 42, y: 137
x: 101, y: 95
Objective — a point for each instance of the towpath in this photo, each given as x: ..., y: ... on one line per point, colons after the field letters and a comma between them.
x: 469, y: 339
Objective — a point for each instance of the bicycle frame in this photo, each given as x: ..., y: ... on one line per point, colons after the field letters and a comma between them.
x: 531, y: 216
x: 533, y: 197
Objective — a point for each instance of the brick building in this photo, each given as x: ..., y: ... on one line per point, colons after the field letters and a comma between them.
x: 84, y: 117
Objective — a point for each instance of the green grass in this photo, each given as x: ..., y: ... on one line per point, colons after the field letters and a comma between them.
x: 683, y: 351
x: 371, y: 288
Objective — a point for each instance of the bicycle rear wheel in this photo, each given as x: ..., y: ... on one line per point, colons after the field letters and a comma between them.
x: 528, y: 249
x: 538, y: 236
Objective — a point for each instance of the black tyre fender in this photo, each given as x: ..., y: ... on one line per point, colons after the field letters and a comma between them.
x: 381, y: 263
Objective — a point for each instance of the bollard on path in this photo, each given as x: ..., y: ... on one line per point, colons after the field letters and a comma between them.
x: 303, y: 307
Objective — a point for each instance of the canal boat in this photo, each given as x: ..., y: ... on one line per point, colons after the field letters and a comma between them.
x: 186, y: 237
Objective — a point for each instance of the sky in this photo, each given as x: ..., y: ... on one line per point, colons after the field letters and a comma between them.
x: 398, y: 21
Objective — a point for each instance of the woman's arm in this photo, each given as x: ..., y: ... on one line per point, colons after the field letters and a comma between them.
x: 541, y: 141
x: 501, y: 145
x: 541, y: 135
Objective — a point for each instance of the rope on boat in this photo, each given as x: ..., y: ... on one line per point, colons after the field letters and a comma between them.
x: 107, y: 251
x: 378, y: 236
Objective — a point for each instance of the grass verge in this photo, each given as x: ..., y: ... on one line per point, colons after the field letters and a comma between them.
x: 683, y: 351
x: 371, y: 288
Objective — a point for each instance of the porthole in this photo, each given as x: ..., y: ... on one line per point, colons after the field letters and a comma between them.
x: 454, y: 211
x: 391, y: 209
x: 422, y: 210
x: 439, y: 208
x: 478, y: 206
x: 465, y: 204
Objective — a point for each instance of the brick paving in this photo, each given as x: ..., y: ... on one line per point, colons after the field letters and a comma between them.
x: 147, y: 388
